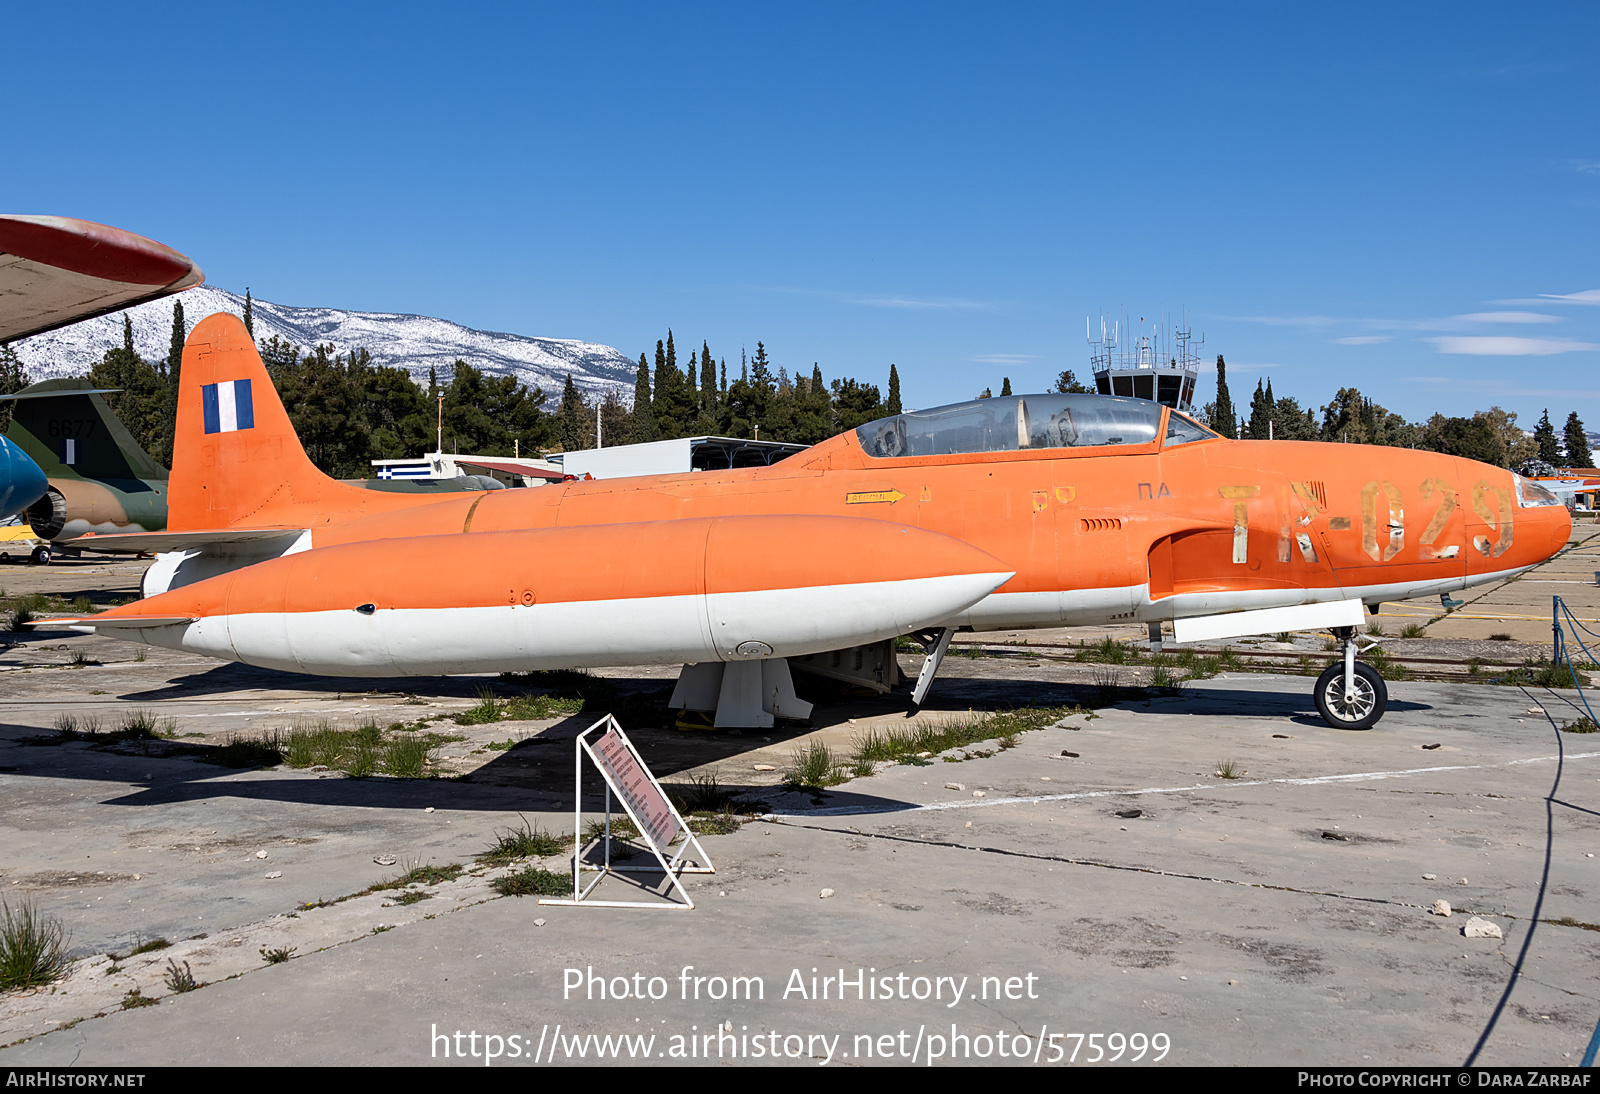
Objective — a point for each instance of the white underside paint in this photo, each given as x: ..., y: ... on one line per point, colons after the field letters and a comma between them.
x: 583, y: 634
x: 1132, y: 603
x: 1301, y: 617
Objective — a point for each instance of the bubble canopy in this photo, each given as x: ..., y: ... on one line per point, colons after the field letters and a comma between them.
x: 1024, y: 423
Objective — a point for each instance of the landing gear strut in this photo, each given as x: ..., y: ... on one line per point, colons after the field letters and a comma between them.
x: 1351, y: 694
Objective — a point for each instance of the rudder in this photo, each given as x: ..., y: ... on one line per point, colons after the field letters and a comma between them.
x: 237, y: 462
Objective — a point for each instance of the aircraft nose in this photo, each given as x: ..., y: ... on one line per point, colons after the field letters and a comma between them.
x: 1560, y: 527
x: 22, y: 482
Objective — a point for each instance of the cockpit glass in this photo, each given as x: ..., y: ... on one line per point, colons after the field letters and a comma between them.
x: 1013, y: 424
x: 1183, y: 430
x: 1531, y: 495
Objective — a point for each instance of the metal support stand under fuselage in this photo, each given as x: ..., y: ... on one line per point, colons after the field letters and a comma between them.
x: 937, y: 643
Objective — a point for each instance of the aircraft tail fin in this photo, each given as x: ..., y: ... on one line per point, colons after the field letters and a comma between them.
x: 237, y: 462
x: 70, y: 431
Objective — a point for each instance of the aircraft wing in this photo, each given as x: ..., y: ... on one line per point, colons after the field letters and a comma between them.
x: 180, y: 541
x: 56, y: 270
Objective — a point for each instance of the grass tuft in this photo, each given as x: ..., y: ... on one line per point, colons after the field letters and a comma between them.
x: 527, y: 841
x: 1582, y: 725
x: 1230, y: 769
x: 704, y: 794
x: 277, y: 955
x: 1413, y: 630
x: 33, y: 947
x: 533, y: 882
x: 813, y: 767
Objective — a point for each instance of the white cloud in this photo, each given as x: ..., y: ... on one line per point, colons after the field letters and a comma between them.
x: 1362, y: 340
x: 1508, y: 317
x: 1587, y: 296
x: 1006, y: 358
x: 939, y: 303
x: 1587, y: 168
x: 1488, y: 346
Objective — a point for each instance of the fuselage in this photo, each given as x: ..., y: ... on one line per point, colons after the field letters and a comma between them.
x: 1103, y: 534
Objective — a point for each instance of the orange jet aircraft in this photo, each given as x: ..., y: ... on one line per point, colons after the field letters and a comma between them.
x: 1013, y: 512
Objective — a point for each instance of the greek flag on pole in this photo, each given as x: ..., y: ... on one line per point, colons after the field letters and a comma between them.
x: 227, y: 406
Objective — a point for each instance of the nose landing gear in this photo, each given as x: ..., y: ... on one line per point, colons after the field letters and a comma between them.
x: 1351, y: 694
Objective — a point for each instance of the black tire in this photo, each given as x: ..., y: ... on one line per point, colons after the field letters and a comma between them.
x: 1372, y: 697
x: 41, y: 555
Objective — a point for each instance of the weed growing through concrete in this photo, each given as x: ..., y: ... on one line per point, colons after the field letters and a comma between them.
x: 418, y: 874
x: 488, y: 709
x: 263, y: 750
x: 1500, y: 637
x: 1543, y: 674
x: 407, y: 757
x: 1375, y: 629
x: 1413, y: 630
x: 1568, y: 921
x: 622, y: 828
x: 812, y: 767
x: 715, y: 824
x: 1387, y: 667
x: 533, y: 882
x: 141, y: 946
x: 78, y: 725
x: 1107, y: 683
x: 277, y: 955
x: 33, y: 947
x: 904, y: 744
x: 526, y: 841
x: 181, y: 980
x: 1230, y: 769
x: 1582, y: 725
x: 136, y: 998
x: 1284, y: 637
x: 704, y: 794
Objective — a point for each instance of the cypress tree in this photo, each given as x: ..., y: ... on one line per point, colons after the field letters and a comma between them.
x: 1544, y: 435
x: 708, y: 376
x: 1005, y: 386
x: 249, y: 313
x: 571, y: 424
x: 1223, y: 419
x: 892, y: 407
x: 642, y: 420
x: 175, y: 351
x: 1577, y: 443
x: 169, y: 415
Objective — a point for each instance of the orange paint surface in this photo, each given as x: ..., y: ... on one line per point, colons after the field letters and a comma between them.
x: 1209, y: 516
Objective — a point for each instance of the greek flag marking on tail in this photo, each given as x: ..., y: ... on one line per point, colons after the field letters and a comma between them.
x: 227, y: 406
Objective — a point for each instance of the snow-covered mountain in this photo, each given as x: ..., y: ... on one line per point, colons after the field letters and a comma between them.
x: 415, y: 343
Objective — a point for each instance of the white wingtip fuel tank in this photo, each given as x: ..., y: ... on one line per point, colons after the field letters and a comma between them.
x: 716, y: 589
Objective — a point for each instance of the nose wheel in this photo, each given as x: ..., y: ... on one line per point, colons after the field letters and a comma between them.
x: 1351, y: 694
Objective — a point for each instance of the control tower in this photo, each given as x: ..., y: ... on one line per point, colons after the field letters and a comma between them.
x: 1161, y: 365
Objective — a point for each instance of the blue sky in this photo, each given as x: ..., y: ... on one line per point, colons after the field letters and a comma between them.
x: 1399, y: 197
